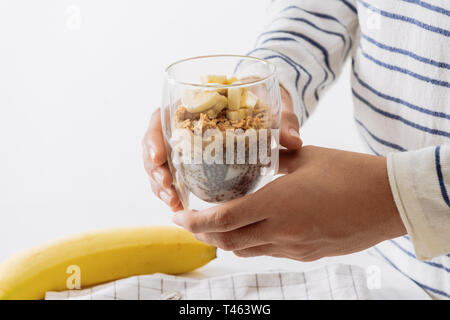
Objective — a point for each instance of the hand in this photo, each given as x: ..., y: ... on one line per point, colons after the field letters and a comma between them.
x: 329, y: 203
x: 156, y: 166
x: 155, y: 157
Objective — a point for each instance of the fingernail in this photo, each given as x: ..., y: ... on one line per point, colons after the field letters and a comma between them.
x: 176, y: 207
x: 177, y: 219
x: 152, y: 155
x: 293, y: 132
x: 157, y: 176
x: 165, y: 197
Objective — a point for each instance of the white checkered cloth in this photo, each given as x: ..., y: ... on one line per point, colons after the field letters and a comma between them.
x: 336, y: 282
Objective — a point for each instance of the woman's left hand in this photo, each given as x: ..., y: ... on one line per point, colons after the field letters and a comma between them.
x: 329, y: 203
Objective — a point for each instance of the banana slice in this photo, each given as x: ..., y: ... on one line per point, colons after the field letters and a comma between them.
x: 231, y: 80
x: 222, y: 91
x: 214, y: 111
x: 236, y: 115
x: 215, y: 80
x: 221, y: 104
x: 218, y: 79
x: 234, y: 98
x: 200, y: 100
x: 249, y: 99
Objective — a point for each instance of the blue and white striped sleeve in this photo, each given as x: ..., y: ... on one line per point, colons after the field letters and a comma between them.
x: 420, y: 183
x: 308, y: 41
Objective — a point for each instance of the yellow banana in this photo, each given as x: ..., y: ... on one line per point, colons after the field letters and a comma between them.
x: 101, y: 256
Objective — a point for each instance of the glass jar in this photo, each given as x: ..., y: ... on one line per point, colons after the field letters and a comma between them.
x: 221, y: 118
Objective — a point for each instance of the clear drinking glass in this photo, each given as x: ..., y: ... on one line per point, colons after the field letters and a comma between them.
x: 221, y: 119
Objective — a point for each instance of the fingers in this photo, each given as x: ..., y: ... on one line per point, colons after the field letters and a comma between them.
x: 289, y: 161
x: 177, y: 208
x: 226, y: 217
x: 242, y: 238
x: 169, y: 195
x: 289, y: 133
x: 273, y: 251
x: 162, y: 176
x: 155, y: 164
x: 161, y: 184
x: 153, y: 142
x: 263, y: 250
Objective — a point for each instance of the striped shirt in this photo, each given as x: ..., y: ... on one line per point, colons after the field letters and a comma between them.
x: 400, y: 54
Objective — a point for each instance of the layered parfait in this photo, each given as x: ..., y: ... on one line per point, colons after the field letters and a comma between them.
x: 240, y: 126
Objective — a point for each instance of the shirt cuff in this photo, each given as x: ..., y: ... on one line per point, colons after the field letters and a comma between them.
x: 412, y: 179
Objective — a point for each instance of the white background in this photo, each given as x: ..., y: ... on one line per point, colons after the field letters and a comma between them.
x: 75, y: 101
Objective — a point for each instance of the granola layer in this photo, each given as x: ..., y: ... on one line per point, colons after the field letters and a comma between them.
x: 199, y: 122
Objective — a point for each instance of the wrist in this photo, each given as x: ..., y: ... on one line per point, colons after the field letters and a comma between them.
x: 394, y: 226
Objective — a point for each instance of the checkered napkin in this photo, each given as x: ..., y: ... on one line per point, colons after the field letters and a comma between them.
x: 330, y: 282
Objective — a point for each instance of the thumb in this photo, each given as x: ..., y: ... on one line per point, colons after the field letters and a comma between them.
x: 289, y: 134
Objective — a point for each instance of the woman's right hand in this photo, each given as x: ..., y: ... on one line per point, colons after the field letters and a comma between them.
x: 156, y: 166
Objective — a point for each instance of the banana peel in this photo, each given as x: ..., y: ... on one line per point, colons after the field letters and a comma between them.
x: 98, y: 257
